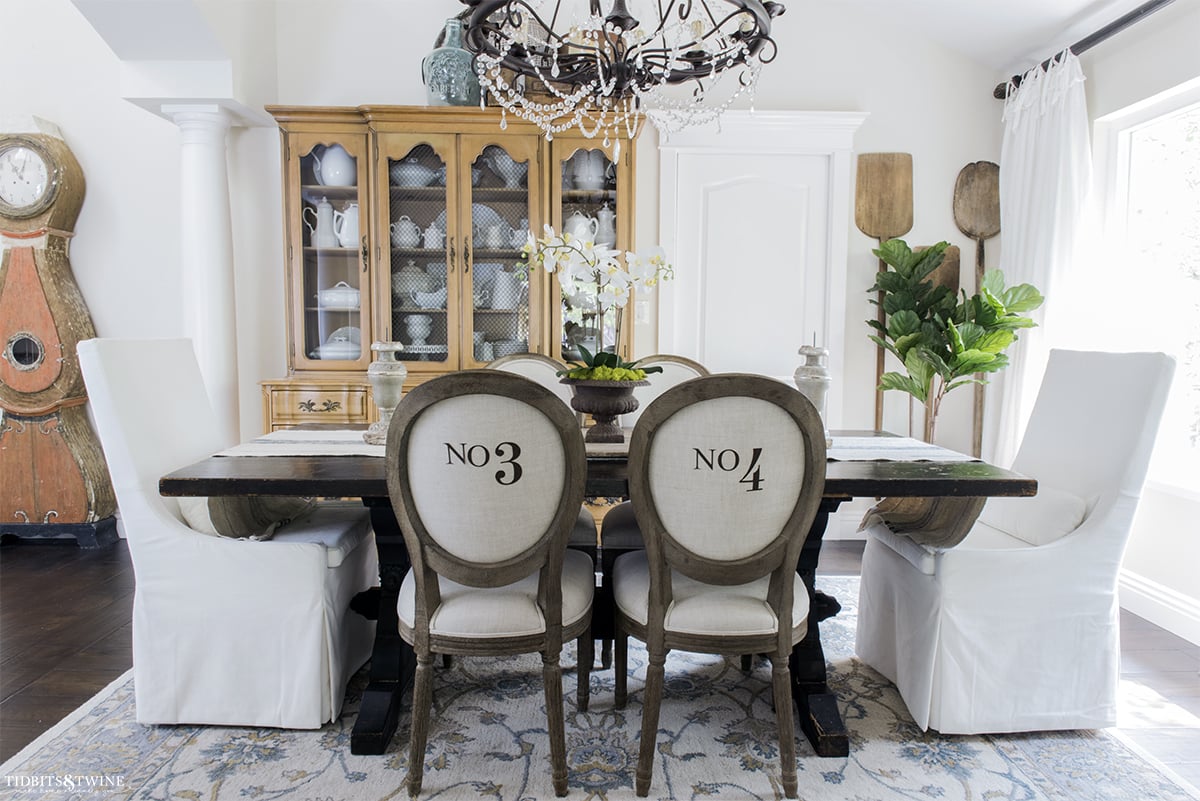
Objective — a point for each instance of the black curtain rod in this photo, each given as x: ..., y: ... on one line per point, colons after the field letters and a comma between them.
x: 1089, y: 41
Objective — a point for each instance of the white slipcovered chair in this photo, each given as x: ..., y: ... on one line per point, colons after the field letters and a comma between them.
x: 225, y: 631
x: 486, y: 473
x: 726, y: 474
x: 1016, y: 627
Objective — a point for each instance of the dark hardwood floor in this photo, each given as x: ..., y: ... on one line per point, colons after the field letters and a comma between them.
x: 65, y: 633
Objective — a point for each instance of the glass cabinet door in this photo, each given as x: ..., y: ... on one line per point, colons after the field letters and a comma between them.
x: 498, y: 209
x: 328, y: 251
x: 418, y: 188
x: 591, y: 195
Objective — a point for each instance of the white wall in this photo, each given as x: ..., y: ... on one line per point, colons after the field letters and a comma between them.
x: 1158, y: 576
x: 923, y: 100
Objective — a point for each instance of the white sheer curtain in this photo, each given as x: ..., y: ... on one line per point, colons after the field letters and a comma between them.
x: 1045, y: 176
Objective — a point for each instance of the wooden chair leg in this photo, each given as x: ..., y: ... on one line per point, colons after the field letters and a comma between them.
x: 747, y: 662
x: 606, y: 654
x: 651, y: 702
x: 583, y: 690
x: 621, y: 669
x: 781, y: 678
x: 552, y: 678
x: 419, y: 731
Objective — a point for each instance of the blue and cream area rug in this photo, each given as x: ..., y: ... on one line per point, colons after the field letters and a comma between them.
x: 488, y: 741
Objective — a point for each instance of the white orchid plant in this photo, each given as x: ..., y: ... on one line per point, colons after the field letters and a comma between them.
x: 595, y: 280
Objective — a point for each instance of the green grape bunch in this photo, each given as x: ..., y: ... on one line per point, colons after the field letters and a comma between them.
x: 605, y: 366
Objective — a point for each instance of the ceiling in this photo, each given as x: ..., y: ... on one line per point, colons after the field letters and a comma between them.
x: 1008, y: 36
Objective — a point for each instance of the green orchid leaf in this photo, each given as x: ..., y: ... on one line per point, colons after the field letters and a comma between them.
x: 902, y: 323
x: 586, y: 355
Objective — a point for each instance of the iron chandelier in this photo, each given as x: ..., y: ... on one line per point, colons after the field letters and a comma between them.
x: 568, y: 64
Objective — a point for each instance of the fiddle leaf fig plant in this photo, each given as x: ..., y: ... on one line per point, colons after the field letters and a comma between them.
x: 943, y: 342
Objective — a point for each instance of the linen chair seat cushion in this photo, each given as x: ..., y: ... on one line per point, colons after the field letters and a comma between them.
x: 509, y: 611
x: 1050, y: 515
x: 697, y: 608
x: 332, y: 524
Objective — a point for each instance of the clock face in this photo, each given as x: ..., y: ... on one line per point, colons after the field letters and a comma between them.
x: 28, y: 182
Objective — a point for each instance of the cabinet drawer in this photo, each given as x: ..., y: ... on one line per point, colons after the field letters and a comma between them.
x: 326, y: 405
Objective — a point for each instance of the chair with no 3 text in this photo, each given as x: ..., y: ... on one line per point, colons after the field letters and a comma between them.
x: 486, y: 474
x: 726, y: 474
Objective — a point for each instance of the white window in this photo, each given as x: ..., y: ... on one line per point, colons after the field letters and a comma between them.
x: 1149, y: 158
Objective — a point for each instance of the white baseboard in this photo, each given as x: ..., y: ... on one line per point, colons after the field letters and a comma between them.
x: 1161, y: 605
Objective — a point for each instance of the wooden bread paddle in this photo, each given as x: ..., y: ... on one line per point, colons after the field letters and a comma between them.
x: 883, y: 208
x: 977, y: 214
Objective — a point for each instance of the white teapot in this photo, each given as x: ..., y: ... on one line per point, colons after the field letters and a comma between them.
x: 334, y: 167
x: 434, y: 237
x: 405, y: 233
x: 345, y: 226
x: 581, y: 226
x: 589, y: 169
x: 320, y: 230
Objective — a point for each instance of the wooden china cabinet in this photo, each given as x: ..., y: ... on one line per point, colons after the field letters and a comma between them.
x: 406, y: 224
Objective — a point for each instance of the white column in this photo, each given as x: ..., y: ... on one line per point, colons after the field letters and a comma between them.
x: 209, y: 312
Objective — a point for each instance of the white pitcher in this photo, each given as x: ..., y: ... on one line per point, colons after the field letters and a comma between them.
x: 335, y: 167
x: 321, y: 232
x: 345, y: 226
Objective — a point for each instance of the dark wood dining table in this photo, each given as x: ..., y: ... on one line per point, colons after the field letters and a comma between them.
x: 391, y: 666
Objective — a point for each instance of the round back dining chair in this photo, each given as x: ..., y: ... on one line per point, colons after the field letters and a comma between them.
x: 486, y: 474
x: 726, y: 474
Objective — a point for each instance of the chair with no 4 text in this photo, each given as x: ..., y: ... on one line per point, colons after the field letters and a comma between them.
x: 726, y: 474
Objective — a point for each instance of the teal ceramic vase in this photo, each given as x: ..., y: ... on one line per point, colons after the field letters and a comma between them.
x: 449, y: 71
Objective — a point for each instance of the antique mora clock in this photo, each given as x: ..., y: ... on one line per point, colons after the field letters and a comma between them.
x: 53, y: 479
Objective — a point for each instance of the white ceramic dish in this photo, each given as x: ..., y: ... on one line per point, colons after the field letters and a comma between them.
x: 481, y: 217
x: 339, y: 297
x: 411, y: 173
x: 337, y: 350
x: 348, y: 333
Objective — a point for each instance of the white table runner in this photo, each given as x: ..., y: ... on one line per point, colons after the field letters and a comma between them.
x: 891, y: 449
x: 337, y: 442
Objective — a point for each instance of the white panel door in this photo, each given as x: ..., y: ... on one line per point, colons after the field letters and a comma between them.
x: 755, y: 217
x: 750, y: 272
